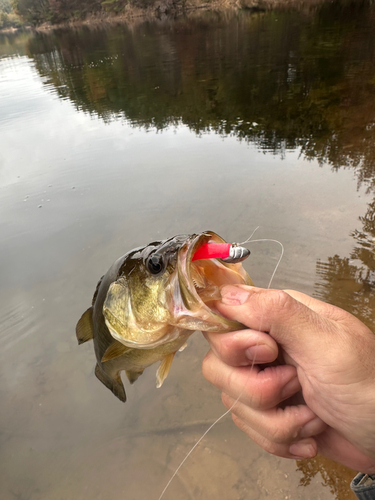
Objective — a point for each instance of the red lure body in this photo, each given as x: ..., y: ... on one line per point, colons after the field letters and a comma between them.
x: 212, y: 251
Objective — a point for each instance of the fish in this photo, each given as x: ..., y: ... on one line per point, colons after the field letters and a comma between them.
x: 148, y: 304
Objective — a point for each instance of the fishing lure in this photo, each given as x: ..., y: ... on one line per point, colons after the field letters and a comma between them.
x: 227, y: 252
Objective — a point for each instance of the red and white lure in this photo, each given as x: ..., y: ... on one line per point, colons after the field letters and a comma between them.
x: 227, y: 252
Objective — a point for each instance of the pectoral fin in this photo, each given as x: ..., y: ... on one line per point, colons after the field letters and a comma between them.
x: 84, y: 328
x: 114, y: 350
x: 163, y: 369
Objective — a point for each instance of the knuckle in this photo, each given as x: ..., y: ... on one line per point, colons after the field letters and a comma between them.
x: 270, y: 447
x: 222, y: 347
x: 267, y: 445
x: 256, y: 397
x: 254, y: 400
x: 244, y: 426
x: 281, y: 307
x: 225, y: 349
x: 282, y: 301
x: 226, y: 400
x: 280, y: 435
x: 207, y: 366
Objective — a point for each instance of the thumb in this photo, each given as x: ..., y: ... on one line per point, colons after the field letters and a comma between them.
x: 296, y: 327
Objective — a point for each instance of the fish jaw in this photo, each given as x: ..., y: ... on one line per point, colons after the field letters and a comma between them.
x: 199, y: 284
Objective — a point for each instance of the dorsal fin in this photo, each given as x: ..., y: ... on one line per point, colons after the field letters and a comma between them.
x: 84, y: 328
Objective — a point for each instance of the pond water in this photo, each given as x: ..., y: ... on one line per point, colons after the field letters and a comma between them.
x: 118, y: 135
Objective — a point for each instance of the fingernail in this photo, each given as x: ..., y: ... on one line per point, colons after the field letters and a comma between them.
x: 302, y: 450
x: 233, y: 295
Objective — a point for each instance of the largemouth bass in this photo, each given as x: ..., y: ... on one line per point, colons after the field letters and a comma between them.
x: 148, y: 304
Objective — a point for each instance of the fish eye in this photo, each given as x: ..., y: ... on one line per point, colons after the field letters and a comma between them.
x: 155, y: 264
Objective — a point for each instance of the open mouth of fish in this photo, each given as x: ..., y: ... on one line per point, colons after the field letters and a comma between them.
x: 199, y: 284
x: 206, y: 276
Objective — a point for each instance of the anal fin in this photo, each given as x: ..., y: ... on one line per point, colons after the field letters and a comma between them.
x: 163, y: 370
x: 133, y: 375
x: 114, y: 384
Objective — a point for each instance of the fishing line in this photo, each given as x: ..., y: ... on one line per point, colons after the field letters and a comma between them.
x: 193, y: 448
x: 278, y: 262
x: 249, y: 240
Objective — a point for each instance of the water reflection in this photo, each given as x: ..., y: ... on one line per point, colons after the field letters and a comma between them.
x: 335, y: 476
x: 281, y: 80
x: 349, y: 282
x: 134, y: 118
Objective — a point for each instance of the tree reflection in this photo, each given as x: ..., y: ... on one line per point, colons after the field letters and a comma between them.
x: 335, y: 476
x: 281, y: 80
x: 349, y: 282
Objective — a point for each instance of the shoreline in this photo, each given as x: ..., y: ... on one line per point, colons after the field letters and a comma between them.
x: 164, y: 9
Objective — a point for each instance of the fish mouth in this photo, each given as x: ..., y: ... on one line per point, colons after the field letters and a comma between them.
x: 201, y: 280
x: 202, y: 274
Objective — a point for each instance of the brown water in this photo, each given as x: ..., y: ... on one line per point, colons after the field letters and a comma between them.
x: 113, y: 137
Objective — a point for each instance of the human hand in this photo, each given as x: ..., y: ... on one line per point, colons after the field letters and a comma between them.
x: 325, y: 352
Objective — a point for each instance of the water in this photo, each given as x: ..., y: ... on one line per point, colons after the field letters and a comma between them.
x: 114, y: 136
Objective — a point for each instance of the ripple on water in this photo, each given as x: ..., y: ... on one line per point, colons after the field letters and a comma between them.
x: 23, y: 95
x: 18, y: 321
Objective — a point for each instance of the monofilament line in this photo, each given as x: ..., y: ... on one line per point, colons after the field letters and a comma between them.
x: 193, y: 448
x: 249, y: 240
x: 278, y: 262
